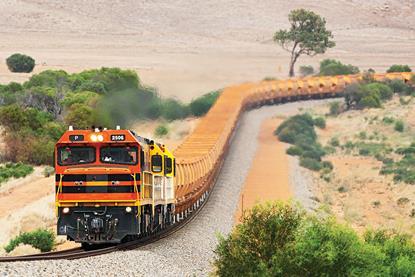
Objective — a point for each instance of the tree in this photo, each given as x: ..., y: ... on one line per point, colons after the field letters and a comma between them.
x: 20, y: 63
x: 281, y: 240
x: 329, y: 67
x: 399, y: 68
x: 306, y: 70
x: 307, y: 35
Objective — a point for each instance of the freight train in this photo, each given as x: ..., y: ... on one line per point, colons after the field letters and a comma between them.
x: 112, y: 186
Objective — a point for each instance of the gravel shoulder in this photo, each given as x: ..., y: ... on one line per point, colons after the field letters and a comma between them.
x: 189, y: 251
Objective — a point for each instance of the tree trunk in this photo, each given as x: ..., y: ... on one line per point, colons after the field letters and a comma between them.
x: 291, y: 73
x: 294, y: 58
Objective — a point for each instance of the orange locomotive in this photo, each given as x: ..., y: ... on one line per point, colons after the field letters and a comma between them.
x: 112, y: 186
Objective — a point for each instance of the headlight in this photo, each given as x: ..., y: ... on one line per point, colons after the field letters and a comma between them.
x: 65, y: 210
x: 94, y: 137
x: 100, y: 138
x: 128, y: 209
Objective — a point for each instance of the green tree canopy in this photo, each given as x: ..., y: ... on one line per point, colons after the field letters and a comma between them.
x: 282, y: 240
x: 20, y: 63
x: 307, y: 36
x: 329, y: 67
x: 399, y: 68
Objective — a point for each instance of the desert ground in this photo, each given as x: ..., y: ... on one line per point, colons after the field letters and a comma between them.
x: 356, y: 192
x: 187, y: 48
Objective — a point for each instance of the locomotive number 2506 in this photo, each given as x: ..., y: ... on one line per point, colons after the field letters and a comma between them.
x: 117, y: 137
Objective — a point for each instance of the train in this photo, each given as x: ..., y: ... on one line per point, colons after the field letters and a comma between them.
x: 99, y: 200
x: 112, y: 186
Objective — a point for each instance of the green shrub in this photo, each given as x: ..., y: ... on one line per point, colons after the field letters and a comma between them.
x: 161, y: 130
x: 306, y: 70
x: 373, y: 149
x: 295, y: 127
x: 384, y: 91
x: 399, y: 126
x: 310, y: 163
x: 327, y: 165
x: 335, y: 108
x: 362, y: 135
x: 14, y: 170
x: 403, y: 170
x: 20, y: 63
x: 173, y: 109
x: 281, y: 240
x: 202, y: 104
x: 295, y: 151
x: 361, y: 96
x: 388, y: 120
x: 334, y: 142
x: 400, y: 87
x: 330, y: 67
x: 399, y: 68
x: 320, y: 122
x: 82, y: 97
x: 80, y: 116
x: 342, y: 189
x: 329, y: 150
x: 299, y: 130
x: 41, y: 239
x: 48, y: 78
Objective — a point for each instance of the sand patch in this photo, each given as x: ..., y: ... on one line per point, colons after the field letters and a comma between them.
x: 268, y: 179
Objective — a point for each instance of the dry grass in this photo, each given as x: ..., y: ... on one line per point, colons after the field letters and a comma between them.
x: 23, y: 249
x: 367, y: 199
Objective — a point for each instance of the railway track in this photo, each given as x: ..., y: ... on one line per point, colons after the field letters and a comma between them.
x: 79, y: 253
x: 200, y: 156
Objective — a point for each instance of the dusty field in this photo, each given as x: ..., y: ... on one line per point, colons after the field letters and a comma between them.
x: 357, y: 193
x: 187, y: 48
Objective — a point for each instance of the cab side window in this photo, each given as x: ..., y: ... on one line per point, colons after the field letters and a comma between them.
x: 156, y: 163
x: 168, y: 165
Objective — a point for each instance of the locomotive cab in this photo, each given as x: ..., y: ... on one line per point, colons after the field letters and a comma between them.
x: 100, y: 195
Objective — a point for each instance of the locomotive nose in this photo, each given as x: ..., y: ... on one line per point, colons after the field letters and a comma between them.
x: 97, y: 225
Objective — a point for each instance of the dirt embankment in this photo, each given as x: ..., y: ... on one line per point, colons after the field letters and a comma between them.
x: 268, y: 178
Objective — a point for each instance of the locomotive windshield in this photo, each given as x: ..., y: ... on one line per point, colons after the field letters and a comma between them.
x: 119, y: 155
x: 71, y: 155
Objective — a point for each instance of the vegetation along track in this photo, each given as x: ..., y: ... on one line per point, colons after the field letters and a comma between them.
x: 200, y: 156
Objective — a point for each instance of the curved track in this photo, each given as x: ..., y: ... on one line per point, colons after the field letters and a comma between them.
x: 200, y: 157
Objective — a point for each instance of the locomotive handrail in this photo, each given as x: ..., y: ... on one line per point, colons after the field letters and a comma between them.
x: 135, y: 186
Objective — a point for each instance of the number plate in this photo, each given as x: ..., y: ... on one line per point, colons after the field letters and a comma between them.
x: 117, y: 137
x: 76, y: 137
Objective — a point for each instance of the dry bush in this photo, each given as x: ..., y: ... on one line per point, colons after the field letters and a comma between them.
x: 24, y: 249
